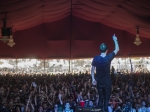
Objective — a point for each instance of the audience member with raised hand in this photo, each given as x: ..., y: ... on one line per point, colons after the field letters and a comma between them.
x: 17, y: 94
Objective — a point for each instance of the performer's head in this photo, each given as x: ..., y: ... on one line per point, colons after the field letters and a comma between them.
x: 103, y: 48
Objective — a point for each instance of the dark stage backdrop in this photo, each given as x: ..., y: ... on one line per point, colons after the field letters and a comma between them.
x: 61, y: 39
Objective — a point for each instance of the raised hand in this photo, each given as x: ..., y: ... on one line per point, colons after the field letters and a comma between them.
x: 94, y: 82
x: 114, y: 37
x: 60, y: 96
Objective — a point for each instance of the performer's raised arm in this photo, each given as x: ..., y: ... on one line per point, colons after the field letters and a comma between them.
x: 116, y: 44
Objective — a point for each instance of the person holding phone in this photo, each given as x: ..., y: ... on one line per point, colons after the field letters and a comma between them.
x: 103, y: 79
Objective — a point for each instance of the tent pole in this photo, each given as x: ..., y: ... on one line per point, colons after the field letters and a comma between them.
x: 70, y: 33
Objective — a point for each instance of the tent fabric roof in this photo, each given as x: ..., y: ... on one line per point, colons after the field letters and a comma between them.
x: 120, y: 14
x: 65, y: 28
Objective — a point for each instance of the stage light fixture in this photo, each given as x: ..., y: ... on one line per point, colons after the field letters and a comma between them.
x: 6, y: 33
x: 137, y: 39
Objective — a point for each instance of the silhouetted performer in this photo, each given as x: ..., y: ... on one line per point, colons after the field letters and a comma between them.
x: 103, y: 79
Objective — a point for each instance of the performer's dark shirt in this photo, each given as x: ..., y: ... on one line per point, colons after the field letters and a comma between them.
x: 102, y: 65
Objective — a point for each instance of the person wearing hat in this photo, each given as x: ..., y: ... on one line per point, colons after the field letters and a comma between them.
x: 103, y: 79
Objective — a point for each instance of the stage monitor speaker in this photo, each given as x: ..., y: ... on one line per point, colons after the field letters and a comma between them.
x: 87, y: 109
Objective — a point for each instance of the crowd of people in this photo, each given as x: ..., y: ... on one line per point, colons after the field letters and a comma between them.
x: 52, y: 93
